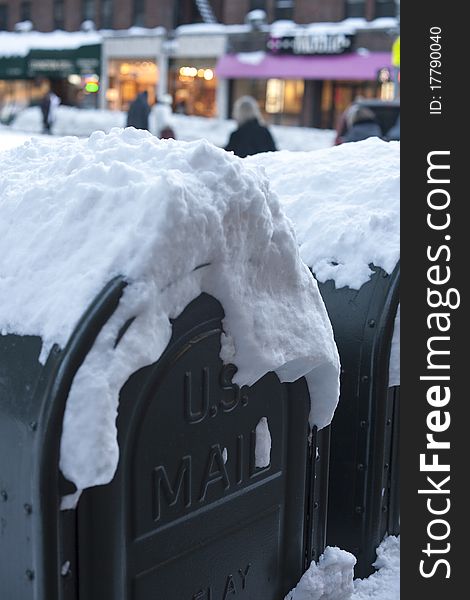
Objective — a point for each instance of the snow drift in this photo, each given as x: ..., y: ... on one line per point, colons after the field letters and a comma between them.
x: 344, y: 203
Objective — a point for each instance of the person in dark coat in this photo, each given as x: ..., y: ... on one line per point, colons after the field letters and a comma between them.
x: 49, y: 104
x: 138, y: 114
x: 362, y: 125
x: 252, y: 136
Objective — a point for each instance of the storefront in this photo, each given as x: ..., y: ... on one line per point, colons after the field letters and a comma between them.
x: 192, y: 85
x: 182, y: 65
x: 72, y: 73
x: 128, y: 78
x: 192, y: 81
x: 307, y: 80
x: 131, y: 65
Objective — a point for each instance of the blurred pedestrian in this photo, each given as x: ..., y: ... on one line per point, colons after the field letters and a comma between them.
x: 362, y: 124
x: 252, y: 136
x: 138, y: 114
x: 49, y: 105
x: 161, y: 117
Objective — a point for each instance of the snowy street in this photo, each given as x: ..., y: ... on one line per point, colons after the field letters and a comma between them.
x: 82, y: 122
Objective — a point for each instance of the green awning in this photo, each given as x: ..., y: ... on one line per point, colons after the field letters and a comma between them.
x: 12, y: 67
x: 84, y: 60
x: 59, y: 64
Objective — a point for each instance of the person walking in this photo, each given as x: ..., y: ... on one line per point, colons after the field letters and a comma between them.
x: 252, y: 136
x: 49, y: 105
x: 362, y: 124
x: 138, y: 114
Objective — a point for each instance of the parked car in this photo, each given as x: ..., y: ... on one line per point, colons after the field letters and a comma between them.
x: 387, y: 112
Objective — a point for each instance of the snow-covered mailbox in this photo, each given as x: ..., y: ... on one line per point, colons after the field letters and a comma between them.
x: 344, y: 204
x: 136, y: 461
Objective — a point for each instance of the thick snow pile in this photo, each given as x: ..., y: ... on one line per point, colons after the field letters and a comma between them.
x: 175, y: 219
x: 344, y: 203
x: 345, y: 206
x: 332, y: 577
x: 384, y: 584
x: 83, y: 122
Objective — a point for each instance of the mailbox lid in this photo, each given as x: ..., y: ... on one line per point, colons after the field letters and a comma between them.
x: 189, y: 513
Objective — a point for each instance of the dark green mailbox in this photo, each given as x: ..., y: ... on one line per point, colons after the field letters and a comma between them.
x: 364, y: 482
x: 190, y: 513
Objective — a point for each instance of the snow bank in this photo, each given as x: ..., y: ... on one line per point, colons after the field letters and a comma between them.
x: 76, y: 213
x: 11, y: 139
x: 385, y: 583
x: 344, y: 203
x: 330, y: 579
x: 83, y: 122
x: 70, y: 121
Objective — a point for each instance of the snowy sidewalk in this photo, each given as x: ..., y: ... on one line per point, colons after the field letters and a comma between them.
x: 81, y: 122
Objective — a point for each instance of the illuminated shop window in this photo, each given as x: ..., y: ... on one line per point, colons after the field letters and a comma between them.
x: 127, y: 79
x: 275, y: 96
x: 284, y: 96
x: 193, y: 88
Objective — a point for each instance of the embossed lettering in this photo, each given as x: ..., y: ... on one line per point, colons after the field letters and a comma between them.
x: 191, y: 414
x: 214, y: 475
x: 243, y: 575
x: 182, y: 486
x: 229, y: 587
x: 226, y: 384
x: 203, y: 594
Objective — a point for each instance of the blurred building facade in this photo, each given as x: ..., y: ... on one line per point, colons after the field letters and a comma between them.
x: 303, y: 60
x: 48, y: 15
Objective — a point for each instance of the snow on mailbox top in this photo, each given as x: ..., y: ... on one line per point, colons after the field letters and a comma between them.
x: 344, y: 203
x: 76, y: 213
